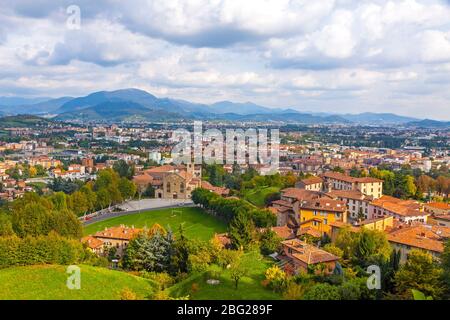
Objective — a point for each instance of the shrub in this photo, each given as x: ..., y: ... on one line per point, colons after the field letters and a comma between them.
x: 322, y: 291
x: 40, y: 250
x: 127, y: 294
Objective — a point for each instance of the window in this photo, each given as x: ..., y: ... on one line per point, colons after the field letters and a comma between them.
x: 182, y: 187
x: 168, y: 187
x: 325, y: 221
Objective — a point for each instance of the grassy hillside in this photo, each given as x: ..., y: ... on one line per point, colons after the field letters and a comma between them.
x: 22, y: 121
x: 257, y: 196
x: 48, y: 282
x: 197, y: 223
x: 249, y: 288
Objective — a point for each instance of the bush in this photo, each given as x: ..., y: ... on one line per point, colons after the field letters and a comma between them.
x: 51, y: 249
x: 322, y: 291
x: 276, y: 278
x: 127, y: 294
x: 293, y: 291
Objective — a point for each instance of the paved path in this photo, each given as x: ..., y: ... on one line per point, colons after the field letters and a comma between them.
x: 132, y: 207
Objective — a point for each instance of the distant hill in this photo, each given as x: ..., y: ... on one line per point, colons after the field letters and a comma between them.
x: 19, y: 101
x: 22, y: 121
x: 135, y: 104
x: 240, y: 108
x: 296, y: 117
x: 376, y: 118
x: 427, y: 123
x: 118, y: 111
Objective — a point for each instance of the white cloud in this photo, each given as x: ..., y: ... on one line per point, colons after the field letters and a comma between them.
x: 330, y: 55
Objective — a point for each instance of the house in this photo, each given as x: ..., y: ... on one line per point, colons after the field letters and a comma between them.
x: 298, y: 256
x: 384, y: 224
x: 367, y: 185
x: 428, y: 238
x: 94, y: 244
x: 357, y: 202
x: 318, y: 213
x: 312, y: 183
x: 407, y: 211
x: 117, y: 237
x: 221, y: 191
x: 285, y: 207
x: 437, y: 208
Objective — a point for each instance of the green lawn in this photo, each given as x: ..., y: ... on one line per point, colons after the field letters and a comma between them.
x: 197, y: 223
x: 249, y: 288
x: 258, y: 195
x: 48, y: 282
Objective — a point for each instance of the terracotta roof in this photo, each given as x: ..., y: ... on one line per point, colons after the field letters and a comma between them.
x: 283, y: 232
x: 219, y: 190
x: 223, y: 238
x: 308, y: 254
x: 324, y: 205
x: 439, y: 205
x: 349, y: 194
x: 120, y: 232
x: 310, y: 231
x: 400, y: 207
x: 143, y: 179
x: 92, y: 242
x: 349, y: 179
x: 420, y: 236
x: 161, y: 169
x: 312, y: 180
x: 299, y: 194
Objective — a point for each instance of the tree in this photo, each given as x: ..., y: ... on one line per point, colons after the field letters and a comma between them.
x: 6, y: 228
x: 150, y: 253
x: 180, y: 257
x: 127, y: 188
x: 371, y: 247
x: 79, y: 203
x: 350, y: 290
x: 346, y: 241
x: 237, y: 271
x: 420, y: 272
x: 322, y: 291
x: 445, y: 264
x: 241, y: 231
x: 269, y: 241
x: 124, y: 169
x: 409, y: 186
x: 276, y: 278
x: 334, y: 250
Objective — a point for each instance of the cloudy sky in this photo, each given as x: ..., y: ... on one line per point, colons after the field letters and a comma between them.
x: 325, y: 55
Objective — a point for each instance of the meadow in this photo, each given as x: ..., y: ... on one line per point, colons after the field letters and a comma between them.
x: 196, y: 222
x: 48, y: 282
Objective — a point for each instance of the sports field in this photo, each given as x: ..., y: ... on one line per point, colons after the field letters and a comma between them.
x: 197, y: 223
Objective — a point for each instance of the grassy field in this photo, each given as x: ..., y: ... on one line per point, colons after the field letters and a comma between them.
x: 197, y: 223
x: 48, y: 282
x: 249, y: 288
x: 257, y: 196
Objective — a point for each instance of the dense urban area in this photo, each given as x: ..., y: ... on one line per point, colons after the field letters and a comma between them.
x: 107, y: 196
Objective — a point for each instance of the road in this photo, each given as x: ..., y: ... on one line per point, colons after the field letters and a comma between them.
x: 132, y: 207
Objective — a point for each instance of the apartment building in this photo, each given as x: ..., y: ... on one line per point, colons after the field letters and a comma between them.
x: 367, y: 185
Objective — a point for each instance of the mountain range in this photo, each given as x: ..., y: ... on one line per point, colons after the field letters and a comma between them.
x: 139, y: 105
